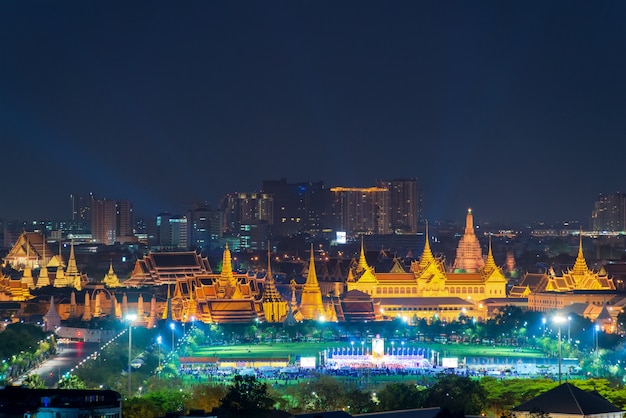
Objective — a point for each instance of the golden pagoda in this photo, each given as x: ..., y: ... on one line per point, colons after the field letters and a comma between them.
x: 73, y: 277
x: 495, y: 282
x: 274, y: 306
x: 311, y: 305
x: 469, y: 256
x: 110, y: 279
x: 227, y: 284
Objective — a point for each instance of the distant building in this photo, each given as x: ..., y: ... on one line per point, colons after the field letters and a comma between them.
x: 111, y: 221
x: 298, y: 207
x: 204, y: 227
x: 358, y: 210
x: 17, y: 401
x: 168, y: 232
x: 609, y: 213
x: 405, y: 204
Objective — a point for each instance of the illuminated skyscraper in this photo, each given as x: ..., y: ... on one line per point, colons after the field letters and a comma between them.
x: 359, y: 210
x: 169, y: 232
x: 298, y: 207
x: 205, y: 227
x: 111, y: 221
x: 609, y: 213
x: 405, y: 204
x: 104, y: 221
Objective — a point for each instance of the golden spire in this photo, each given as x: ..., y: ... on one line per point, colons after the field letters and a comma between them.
x: 427, y: 254
x: 362, y: 261
x: 311, y: 279
x: 226, y: 274
x: 274, y: 307
x: 270, y: 293
x: 311, y: 305
x: 469, y: 222
x: 580, y: 265
x: 490, y: 264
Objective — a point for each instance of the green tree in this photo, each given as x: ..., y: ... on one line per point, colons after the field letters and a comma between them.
x: 358, y: 402
x: 140, y: 408
x: 396, y: 396
x: 458, y: 394
x: 168, y: 400
x: 34, y: 381
x: 206, y: 397
x: 247, y: 396
x: 72, y: 382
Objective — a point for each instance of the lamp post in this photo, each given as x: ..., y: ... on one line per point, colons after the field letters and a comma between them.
x: 159, y: 341
x: 130, y: 318
x: 569, y: 329
x: 172, y: 326
x: 559, y: 320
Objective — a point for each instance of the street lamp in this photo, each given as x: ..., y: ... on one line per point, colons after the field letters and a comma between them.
x: 130, y: 318
x: 569, y: 328
x: 559, y: 320
x: 159, y: 341
x: 172, y: 326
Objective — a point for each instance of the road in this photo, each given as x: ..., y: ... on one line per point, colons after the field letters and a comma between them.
x: 70, y: 354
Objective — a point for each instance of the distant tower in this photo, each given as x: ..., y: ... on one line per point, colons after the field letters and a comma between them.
x: 311, y: 305
x: 469, y: 255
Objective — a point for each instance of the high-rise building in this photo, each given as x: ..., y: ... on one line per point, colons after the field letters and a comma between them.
x: 169, y: 232
x: 111, y: 221
x: 205, y: 227
x: 104, y: 221
x: 124, y: 220
x: 358, y: 210
x: 405, y: 204
x: 609, y: 213
x: 298, y: 207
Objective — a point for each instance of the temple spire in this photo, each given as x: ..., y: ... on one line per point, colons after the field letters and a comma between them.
x: 580, y: 265
x: 362, y: 261
x: 469, y: 222
x: 427, y: 254
x: 311, y: 305
x: 274, y: 307
x: 490, y: 264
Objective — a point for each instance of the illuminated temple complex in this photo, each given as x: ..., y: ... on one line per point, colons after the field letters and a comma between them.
x: 182, y: 286
x: 427, y: 290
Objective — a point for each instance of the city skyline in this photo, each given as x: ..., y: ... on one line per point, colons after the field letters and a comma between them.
x: 515, y: 110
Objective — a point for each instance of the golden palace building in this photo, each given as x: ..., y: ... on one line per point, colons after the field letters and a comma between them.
x: 428, y: 291
x: 579, y: 289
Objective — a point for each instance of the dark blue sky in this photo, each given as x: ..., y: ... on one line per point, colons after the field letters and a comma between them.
x: 516, y: 109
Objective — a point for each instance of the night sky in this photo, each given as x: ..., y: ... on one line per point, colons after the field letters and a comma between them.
x: 516, y: 109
